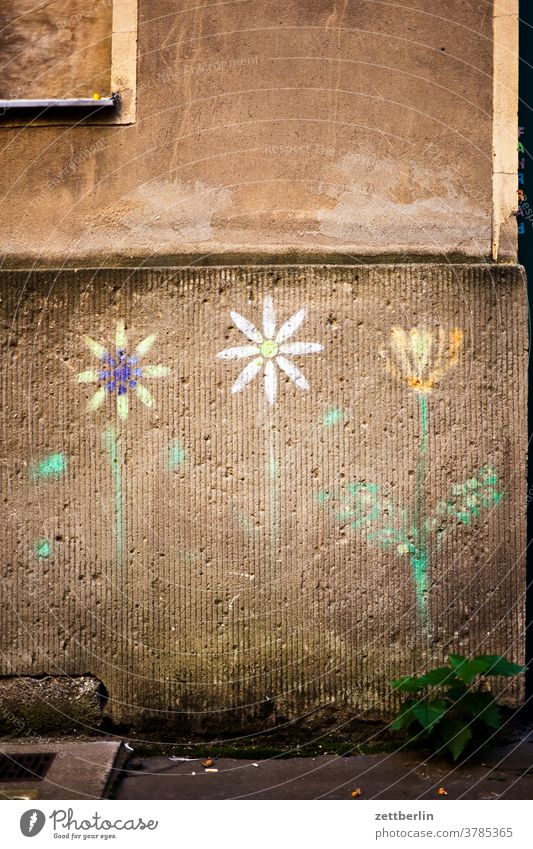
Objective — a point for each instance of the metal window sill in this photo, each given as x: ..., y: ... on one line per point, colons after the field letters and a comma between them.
x: 51, y: 103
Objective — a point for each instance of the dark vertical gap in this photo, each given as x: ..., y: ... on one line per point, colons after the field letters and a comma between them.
x: 525, y: 257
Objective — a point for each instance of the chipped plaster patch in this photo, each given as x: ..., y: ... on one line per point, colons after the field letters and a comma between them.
x: 167, y: 211
x: 428, y: 204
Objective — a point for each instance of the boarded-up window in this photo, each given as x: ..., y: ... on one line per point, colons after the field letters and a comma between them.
x: 55, y: 49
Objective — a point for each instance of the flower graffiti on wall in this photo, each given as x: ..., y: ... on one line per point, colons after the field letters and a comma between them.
x: 121, y: 371
x: 269, y: 349
x: 419, y: 359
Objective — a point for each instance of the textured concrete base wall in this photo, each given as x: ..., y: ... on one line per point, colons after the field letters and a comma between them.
x: 219, y: 552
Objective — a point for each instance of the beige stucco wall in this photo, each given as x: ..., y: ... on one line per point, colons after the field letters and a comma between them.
x: 209, y: 556
x: 299, y: 129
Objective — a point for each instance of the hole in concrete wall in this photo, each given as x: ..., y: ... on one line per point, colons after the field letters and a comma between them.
x: 103, y: 695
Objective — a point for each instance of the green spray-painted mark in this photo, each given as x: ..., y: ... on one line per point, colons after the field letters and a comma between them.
x: 177, y: 455
x: 246, y: 523
x: 420, y: 558
x: 273, y: 478
x: 52, y: 466
x: 410, y: 532
x: 42, y: 548
x: 332, y: 416
x: 468, y: 499
x: 111, y: 443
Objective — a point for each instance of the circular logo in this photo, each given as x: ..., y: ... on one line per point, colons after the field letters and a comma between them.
x: 32, y: 822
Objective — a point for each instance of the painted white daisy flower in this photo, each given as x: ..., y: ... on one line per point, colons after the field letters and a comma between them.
x: 269, y: 349
x: 120, y: 371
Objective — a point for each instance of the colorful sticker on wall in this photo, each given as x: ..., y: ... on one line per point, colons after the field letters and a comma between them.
x: 420, y: 360
x: 119, y: 375
x: 269, y: 351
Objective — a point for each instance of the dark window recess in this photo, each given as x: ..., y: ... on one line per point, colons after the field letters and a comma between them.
x: 27, y: 766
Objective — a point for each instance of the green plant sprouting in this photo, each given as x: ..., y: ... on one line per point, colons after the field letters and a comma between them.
x: 448, y: 707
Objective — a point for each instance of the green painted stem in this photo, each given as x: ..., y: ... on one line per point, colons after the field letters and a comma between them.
x: 273, y: 478
x: 112, y: 444
x: 420, y: 560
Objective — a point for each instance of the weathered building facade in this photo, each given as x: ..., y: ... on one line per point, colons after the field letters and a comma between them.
x: 265, y: 350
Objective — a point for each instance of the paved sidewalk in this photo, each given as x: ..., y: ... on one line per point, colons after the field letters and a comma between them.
x: 505, y: 773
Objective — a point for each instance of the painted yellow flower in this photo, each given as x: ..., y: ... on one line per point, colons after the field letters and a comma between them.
x: 420, y: 358
x: 120, y: 371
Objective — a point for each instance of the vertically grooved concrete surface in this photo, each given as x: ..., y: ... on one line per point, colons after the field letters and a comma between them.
x: 247, y: 556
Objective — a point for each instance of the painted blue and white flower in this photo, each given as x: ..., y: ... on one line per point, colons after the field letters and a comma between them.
x: 269, y: 349
x: 121, y: 371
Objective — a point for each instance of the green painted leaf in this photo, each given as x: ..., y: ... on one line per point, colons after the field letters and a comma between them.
x: 407, y: 684
x: 455, y: 734
x: 386, y: 536
x: 467, y: 499
x: 405, y: 716
x: 482, y: 706
x: 467, y: 670
x: 359, y: 503
x: 430, y: 711
x: 498, y: 665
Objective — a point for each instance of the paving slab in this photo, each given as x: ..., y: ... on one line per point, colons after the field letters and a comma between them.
x: 79, y: 770
x: 382, y: 776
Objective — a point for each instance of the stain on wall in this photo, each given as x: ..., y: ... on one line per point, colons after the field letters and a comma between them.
x: 323, y: 490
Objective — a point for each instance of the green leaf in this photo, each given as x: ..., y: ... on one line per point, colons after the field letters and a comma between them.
x: 467, y: 670
x: 407, y: 684
x: 457, y: 693
x: 455, y: 735
x: 498, y: 665
x: 405, y: 716
x: 430, y: 711
x: 484, y: 707
x: 442, y: 676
